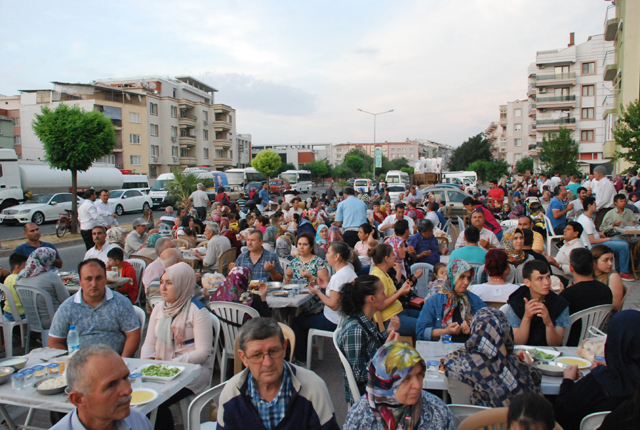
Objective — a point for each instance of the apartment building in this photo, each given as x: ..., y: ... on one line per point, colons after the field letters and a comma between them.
x: 242, y: 154
x: 567, y: 89
x: 298, y: 154
x: 6, y: 130
x: 509, y: 136
x: 620, y: 66
x: 412, y: 150
x: 11, y: 105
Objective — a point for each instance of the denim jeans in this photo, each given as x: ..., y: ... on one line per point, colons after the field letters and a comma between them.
x: 9, y: 316
x: 301, y: 326
x: 408, y: 322
x: 621, y: 249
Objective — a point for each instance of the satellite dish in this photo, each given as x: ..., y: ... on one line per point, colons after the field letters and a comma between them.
x: 152, y: 85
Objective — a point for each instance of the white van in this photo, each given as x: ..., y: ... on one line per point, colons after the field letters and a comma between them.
x: 465, y: 179
x: 365, y: 184
x: 136, y: 182
x: 300, y: 180
x: 398, y: 177
x: 158, y: 191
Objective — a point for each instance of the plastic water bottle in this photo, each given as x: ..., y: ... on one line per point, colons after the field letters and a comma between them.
x: 73, y: 340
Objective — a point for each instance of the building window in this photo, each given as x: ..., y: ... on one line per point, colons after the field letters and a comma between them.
x: 153, y: 108
x: 518, y: 157
x: 154, y: 129
x: 205, y: 152
x: 587, y: 90
x: 135, y: 160
x: 205, y: 134
x: 587, y: 113
x: 517, y: 142
x: 16, y: 140
x: 339, y: 150
x: 16, y: 122
x: 174, y: 111
x: 134, y: 117
x: 174, y: 132
x: 586, y: 135
x: 174, y: 151
x: 218, y: 153
x: 155, y: 150
x: 205, y: 115
x: 517, y: 127
x: 174, y: 93
x: 517, y: 112
x: 588, y: 68
x: 134, y: 139
x: 184, y: 152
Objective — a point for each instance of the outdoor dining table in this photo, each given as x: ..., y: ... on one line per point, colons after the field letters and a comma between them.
x: 628, y: 232
x: 30, y: 398
x: 436, y: 350
x: 73, y: 288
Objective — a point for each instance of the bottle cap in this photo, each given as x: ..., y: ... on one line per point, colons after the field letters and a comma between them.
x: 433, y: 363
x: 72, y: 327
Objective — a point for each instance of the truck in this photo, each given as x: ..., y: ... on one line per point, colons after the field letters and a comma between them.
x: 21, y: 178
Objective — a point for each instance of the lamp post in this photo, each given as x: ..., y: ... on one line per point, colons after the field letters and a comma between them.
x: 374, y: 136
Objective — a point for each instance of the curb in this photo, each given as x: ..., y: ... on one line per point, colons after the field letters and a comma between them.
x: 61, y: 245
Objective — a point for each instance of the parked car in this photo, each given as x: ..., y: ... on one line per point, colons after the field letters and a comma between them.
x: 256, y: 185
x: 365, y: 184
x: 233, y: 191
x: 277, y: 186
x: 39, y: 208
x: 129, y: 201
x: 396, y: 191
x: 451, y: 196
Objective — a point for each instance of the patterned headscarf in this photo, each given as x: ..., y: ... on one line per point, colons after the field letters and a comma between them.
x: 488, y: 364
x: 215, y: 217
x: 455, y: 269
x: 396, y: 242
x: 283, y: 247
x: 363, y: 196
x: 319, y: 240
x: 517, y: 212
x: 335, y: 235
x: 40, y: 261
x: 152, y: 239
x: 387, y: 370
x: 270, y: 235
x: 173, y: 319
x: 234, y: 286
x: 224, y: 224
x: 115, y: 236
x: 514, y: 257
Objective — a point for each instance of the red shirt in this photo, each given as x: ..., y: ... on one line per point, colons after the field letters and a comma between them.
x: 130, y: 289
x: 380, y: 218
x: 490, y: 221
x: 497, y: 195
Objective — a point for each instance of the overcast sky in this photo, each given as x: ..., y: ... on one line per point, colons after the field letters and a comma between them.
x: 297, y: 71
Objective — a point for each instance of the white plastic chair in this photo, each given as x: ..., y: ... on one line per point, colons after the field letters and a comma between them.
x: 422, y: 286
x: 511, y: 277
x: 314, y: 332
x: 138, y: 265
x: 142, y: 317
x: 29, y: 298
x: 461, y: 225
x: 505, y: 309
x: 8, y: 325
x: 284, y: 263
x: 461, y: 412
x: 478, y: 269
x: 353, y: 385
x: 590, y: 317
x: 164, y: 229
x: 593, y: 421
x: 509, y: 223
x: 550, y: 233
x: 199, y: 403
x: 231, y: 316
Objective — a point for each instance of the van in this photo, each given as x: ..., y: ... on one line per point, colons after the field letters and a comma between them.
x: 158, y: 191
x: 465, y: 179
x: 136, y: 182
x: 398, y: 177
x: 365, y: 184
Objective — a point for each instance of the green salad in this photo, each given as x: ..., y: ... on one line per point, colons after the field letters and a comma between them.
x: 160, y: 370
x: 541, y: 355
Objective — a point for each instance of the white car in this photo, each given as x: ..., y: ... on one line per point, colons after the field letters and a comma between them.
x: 39, y: 209
x: 129, y: 201
x: 396, y: 191
x: 365, y: 184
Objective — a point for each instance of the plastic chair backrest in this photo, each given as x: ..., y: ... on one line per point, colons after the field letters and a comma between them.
x: 142, y: 316
x: 182, y: 243
x: 509, y: 223
x: 593, y: 421
x: 29, y: 298
x: 8, y: 296
x: 422, y: 286
x: 231, y: 316
x: 200, y: 402
x: 284, y: 263
x: 478, y: 269
x: 461, y: 226
x: 590, y: 317
x: 138, y: 265
x: 505, y: 309
x: 290, y: 336
x: 353, y: 385
x: 511, y: 277
x: 229, y: 256
x: 461, y: 412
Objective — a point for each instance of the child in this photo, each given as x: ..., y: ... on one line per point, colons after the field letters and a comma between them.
x: 17, y: 263
x: 125, y: 270
x: 439, y: 275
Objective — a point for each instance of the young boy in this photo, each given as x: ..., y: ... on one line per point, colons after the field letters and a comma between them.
x: 125, y: 270
x: 17, y: 263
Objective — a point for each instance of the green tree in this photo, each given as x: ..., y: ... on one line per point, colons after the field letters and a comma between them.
x: 409, y: 170
x: 266, y: 162
x: 367, y: 160
x: 476, y: 148
x: 342, y: 171
x: 183, y: 184
x: 524, y: 164
x: 627, y: 133
x: 283, y: 168
x: 73, y: 139
x: 318, y: 169
x: 354, y: 163
x: 487, y: 170
x: 398, y: 163
x: 559, y: 153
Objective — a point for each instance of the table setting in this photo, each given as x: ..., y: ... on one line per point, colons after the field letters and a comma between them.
x: 71, y: 281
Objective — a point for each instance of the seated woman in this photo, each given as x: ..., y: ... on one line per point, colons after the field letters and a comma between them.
x: 235, y: 288
x: 452, y: 310
x: 513, y: 243
x: 364, y: 233
x: 401, y: 270
x: 530, y: 411
x: 261, y: 223
x: 394, y: 397
x: 496, y: 290
x: 283, y: 247
x: 227, y: 232
x: 603, y: 265
x: 384, y: 260
x: 322, y: 234
x: 37, y: 273
x: 505, y: 212
x: 606, y: 386
x: 487, y: 372
x: 337, y: 257
x: 309, y: 266
x: 359, y: 337
x: 180, y: 330
x: 116, y: 237
x: 271, y: 234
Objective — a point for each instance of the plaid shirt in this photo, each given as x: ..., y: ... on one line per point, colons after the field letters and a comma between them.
x: 271, y: 413
x: 359, y: 346
x: 257, y: 269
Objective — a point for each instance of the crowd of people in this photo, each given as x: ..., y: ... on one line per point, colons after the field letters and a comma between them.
x: 356, y: 252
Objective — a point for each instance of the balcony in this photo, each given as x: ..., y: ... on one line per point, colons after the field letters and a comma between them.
x: 556, y: 79
x: 609, y: 149
x: 531, y: 91
x: 188, y: 161
x: 221, y: 125
x: 503, y: 121
x: 223, y: 162
x: 154, y: 159
x: 187, y: 139
x: 556, y: 99
x: 611, y: 23
x: 610, y: 105
x: 532, y: 109
x: 610, y: 64
x: 186, y: 104
x: 187, y: 120
x: 556, y: 121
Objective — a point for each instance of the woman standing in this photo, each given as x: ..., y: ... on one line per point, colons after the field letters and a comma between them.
x: 222, y: 197
x: 603, y: 263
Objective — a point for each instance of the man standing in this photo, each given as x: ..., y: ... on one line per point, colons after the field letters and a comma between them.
x: 263, y: 263
x: 200, y: 200
x: 619, y: 217
x: 604, y: 191
x: 331, y: 194
x: 88, y: 217
x: 496, y: 194
x: 101, y: 247
x: 425, y: 244
x: 557, y: 180
x: 272, y: 393
x: 137, y: 238
x: 216, y: 246
x: 438, y: 173
x: 290, y: 194
x: 490, y: 221
x: 100, y: 389
x: 351, y: 214
x: 571, y: 237
x: 556, y: 212
x: 487, y: 239
x: 105, y: 209
x: 391, y: 220
x: 32, y: 233
x: 264, y: 194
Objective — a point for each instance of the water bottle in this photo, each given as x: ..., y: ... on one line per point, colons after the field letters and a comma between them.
x: 73, y: 340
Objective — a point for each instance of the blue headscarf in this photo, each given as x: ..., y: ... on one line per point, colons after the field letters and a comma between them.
x: 319, y: 240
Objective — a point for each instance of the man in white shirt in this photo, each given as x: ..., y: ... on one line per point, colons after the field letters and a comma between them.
x: 488, y: 239
x: 577, y: 203
x: 295, y: 208
x: 135, y: 239
x: 105, y: 209
x: 200, y: 201
x: 431, y: 215
x: 168, y: 216
x: 571, y: 236
x: 438, y: 173
x: 604, y: 191
x: 390, y: 221
x: 88, y: 217
x: 588, y: 183
x: 215, y: 248
x: 557, y: 180
x: 101, y: 247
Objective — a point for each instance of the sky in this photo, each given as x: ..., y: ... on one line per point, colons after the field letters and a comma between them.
x: 298, y: 71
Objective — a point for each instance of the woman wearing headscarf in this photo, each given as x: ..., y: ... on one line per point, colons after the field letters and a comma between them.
x: 394, y: 398
x: 235, y: 288
x: 283, y: 247
x: 401, y: 270
x: 451, y: 311
x: 37, y: 273
x: 116, y: 237
x: 606, y: 386
x: 229, y: 234
x: 271, y: 234
x: 487, y: 372
x: 180, y: 330
x: 513, y: 243
x: 305, y: 226
x: 364, y: 196
x: 517, y: 212
x: 322, y: 235
x: 252, y: 193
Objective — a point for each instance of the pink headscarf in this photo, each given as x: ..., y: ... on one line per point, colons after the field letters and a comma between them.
x: 396, y: 242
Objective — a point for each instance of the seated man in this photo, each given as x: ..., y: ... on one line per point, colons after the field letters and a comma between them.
x: 100, y: 316
x: 272, y: 393
x: 100, y: 390
x: 618, y: 245
x: 390, y: 220
x: 32, y: 233
x: 263, y: 263
x: 125, y: 270
x: 216, y: 246
x: 571, y: 236
x: 585, y: 292
x: 471, y: 252
x: 556, y: 211
x: 537, y: 315
x: 488, y: 240
x: 425, y: 244
x: 620, y: 216
x: 432, y: 213
x: 137, y: 238
x: 538, y: 240
x: 100, y: 247
x: 168, y: 217
x: 155, y: 269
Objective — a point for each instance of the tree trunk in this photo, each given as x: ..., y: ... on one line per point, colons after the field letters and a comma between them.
x: 74, y: 201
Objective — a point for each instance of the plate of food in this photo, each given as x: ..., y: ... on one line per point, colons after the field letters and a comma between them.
x: 281, y: 294
x: 578, y: 361
x: 159, y: 372
x: 140, y: 396
x: 290, y: 286
x: 64, y: 273
x: 538, y: 353
x: 51, y: 386
x: 551, y: 368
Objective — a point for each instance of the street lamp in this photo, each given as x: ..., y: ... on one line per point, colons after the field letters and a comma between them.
x: 374, y: 136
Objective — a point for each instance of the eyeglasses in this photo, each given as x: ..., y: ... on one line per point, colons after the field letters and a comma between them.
x: 272, y: 353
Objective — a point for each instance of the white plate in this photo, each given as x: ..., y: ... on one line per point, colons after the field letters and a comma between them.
x: 586, y: 364
x: 158, y: 378
x: 149, y: 390
x: 290, y: 286
x: 555, y: 354
x: 64, y: 273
